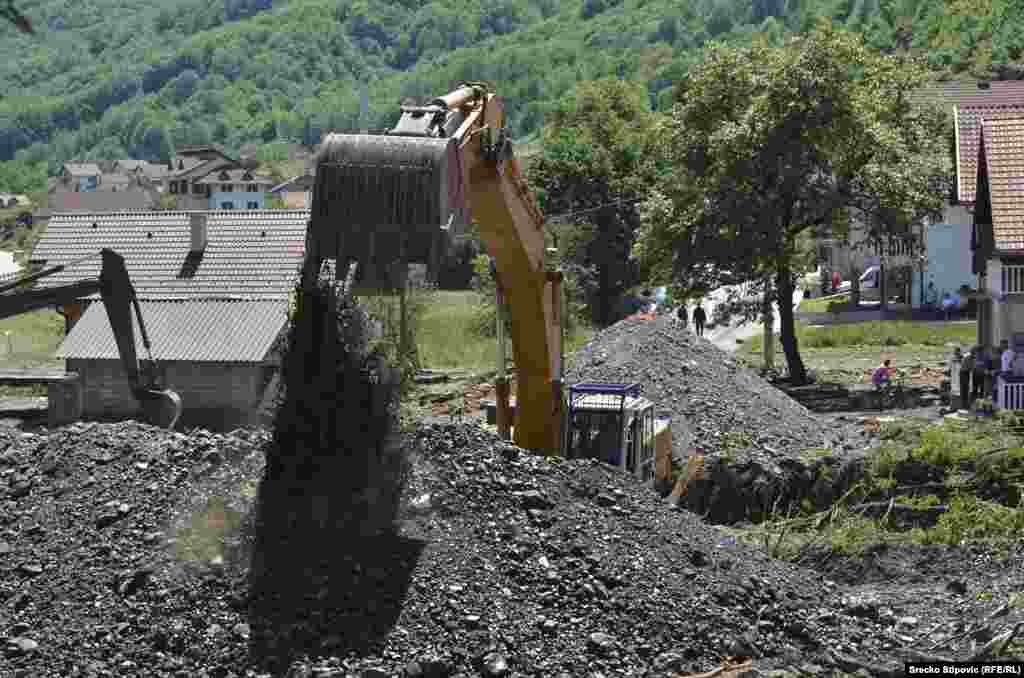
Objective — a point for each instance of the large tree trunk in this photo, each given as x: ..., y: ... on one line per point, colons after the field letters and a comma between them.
x: 787, y: 326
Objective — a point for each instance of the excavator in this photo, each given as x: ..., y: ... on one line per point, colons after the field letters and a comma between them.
x: 158, y: 406
x: 383, y: 201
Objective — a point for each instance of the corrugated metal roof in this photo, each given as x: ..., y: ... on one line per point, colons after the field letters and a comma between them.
x: 252, y: 254
x: 194, y: 331
x: 1004, y: 159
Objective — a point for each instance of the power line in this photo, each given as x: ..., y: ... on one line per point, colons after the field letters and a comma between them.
x: 572, y: 213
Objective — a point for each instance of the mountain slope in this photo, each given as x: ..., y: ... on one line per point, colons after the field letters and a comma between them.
x: 108, y: 78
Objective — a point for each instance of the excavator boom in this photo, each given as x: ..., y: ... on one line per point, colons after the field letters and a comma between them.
x: 386, y: 199
x: 159, y: 406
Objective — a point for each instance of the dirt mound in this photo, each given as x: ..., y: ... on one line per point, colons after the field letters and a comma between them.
x: 127, y: 550
x: 524, y: 566
x: 120, y: 551
x: 715, y: 404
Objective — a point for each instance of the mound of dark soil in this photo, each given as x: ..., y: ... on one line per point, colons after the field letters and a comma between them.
x: 716, y: 405
x: 130, y: 551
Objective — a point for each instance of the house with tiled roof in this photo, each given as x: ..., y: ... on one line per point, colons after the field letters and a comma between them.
x: 998, y: 229
x: 84, y: 176
x: 205, y: 177
x: 213, y: 288
x: 949, y: 262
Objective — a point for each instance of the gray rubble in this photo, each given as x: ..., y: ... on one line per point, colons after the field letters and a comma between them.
x: 716, y: 406
x: 130, y: 551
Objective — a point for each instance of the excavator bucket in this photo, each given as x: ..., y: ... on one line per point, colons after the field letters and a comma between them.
x: 382, y: 199
x: 160, y: 407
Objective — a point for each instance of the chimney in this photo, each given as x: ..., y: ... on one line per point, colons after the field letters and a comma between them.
x: 198, y: 224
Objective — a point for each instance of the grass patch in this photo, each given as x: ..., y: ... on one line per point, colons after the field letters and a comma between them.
x: 446, y: 337
x: 947, y: 467
x: 877, y: 333
x: 31, y: 339
x: 824, y: 304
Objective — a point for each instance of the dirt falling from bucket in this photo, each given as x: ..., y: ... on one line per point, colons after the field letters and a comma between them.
x: 329, y: 497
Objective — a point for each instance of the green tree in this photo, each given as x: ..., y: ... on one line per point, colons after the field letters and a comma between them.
x: 11, y: 13
x: 591, y: 163
x: 769, y: 143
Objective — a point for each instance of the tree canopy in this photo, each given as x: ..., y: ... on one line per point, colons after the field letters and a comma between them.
x: 765, y: 143
x: 591, y: 165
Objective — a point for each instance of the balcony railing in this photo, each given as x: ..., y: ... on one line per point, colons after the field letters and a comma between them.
x: 1012, y: 279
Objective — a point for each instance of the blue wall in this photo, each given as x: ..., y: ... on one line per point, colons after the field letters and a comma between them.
x: 949, y: 260
x: 240, y: 199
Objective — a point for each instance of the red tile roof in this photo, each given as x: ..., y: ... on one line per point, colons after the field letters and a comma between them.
x: 1004, y: 158
x: 1001, y: 100
x: 194, y: 331
x: 253, y: 254
x: 100, y: 201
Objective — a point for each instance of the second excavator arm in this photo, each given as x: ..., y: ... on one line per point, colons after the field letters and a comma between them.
x: 159, y: 406
x: 380, y: 199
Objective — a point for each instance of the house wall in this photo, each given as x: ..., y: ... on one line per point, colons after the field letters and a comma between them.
x: 948, y: 247
x: 87, y: 183
x: 240, y: 199
x: 218, y: 396
x: 296, y: 199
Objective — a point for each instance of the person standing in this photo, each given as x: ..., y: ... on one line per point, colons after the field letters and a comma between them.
x: 699, y: 318
x: 982, y: 360
x: 966, y: 369
x: 683, y: 315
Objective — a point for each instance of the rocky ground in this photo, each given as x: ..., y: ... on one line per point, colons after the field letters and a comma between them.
x: 715, y: 403
x: 127, y: 551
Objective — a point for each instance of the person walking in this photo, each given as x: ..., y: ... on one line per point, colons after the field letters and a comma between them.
x: 683, y: 315
x: 699, y: 318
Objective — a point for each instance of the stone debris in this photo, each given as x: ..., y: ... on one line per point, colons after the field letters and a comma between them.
x: 503, y: 563
x: 716, y: 405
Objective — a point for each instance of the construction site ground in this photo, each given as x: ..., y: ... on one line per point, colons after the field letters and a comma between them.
x: 125, y: 550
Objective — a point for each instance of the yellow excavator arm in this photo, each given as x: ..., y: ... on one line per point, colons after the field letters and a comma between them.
x: 385, y: 199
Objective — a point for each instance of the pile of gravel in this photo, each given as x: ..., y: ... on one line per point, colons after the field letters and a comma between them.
x: 120, y: 550
x: 130, y: 551
x: 715, y: 404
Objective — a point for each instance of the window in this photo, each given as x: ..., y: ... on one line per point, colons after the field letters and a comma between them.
x: 227, y: 205
x: 253, y: 205
x: 226, y: 188
x: 252, y: 188
x: 198, y: 189
x: 174, y: 187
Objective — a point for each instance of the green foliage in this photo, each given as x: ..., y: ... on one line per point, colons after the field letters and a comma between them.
x: 766, y: 143
x: 386, y: 310
x: 971, y: 519
x: 593, y: 163
x: 22, y: 177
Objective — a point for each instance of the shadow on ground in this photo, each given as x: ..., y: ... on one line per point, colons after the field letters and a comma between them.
x: 331, y: 593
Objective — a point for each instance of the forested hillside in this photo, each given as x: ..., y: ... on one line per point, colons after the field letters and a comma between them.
x: 116, y: 78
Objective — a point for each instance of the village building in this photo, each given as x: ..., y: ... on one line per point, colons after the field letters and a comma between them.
x: 297, y: 192
x: 214, y: 290
x: 205, y: 177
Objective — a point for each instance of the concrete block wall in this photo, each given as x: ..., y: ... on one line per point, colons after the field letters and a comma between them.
x: 213, y: 395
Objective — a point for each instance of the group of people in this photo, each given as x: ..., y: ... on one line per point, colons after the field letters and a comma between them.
x: 700, y: 318
x: 951, y: 305
x: 979, y: 368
